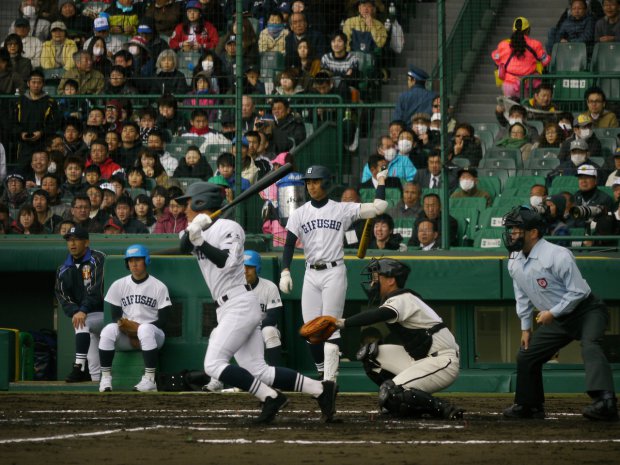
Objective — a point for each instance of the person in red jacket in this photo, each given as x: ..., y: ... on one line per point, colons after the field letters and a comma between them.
x: 173, y: 220
x: 194, y: 33
x: 99, y: 156
x: 518, y: 56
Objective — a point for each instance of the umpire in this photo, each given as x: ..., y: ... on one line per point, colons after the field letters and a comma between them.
x: 545, y: 277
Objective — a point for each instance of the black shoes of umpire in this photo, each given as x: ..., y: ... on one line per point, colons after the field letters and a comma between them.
x: 518, y: 411
x: 327, y: 401
x: 79, y: 374
x: 271, y: 407
x: 602, y: 409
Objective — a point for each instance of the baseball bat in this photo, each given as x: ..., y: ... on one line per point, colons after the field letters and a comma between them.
x: 255, y: 188
x: 365, y: 239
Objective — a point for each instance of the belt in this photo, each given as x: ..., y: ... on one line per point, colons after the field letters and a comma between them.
x: 322, y: 266
x: 234, y: 292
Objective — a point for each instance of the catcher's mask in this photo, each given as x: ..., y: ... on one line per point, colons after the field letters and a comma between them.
x: 524, y: 218
x: 386, y: 267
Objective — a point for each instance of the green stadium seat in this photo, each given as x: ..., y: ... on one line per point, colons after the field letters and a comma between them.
x: 507, y: 164
x: 490, y: 184
x: 490, y: 238
x: 136, y: 191
x: 608, y: 190
x: 486, y: 137
x: 493, y: 127
x: 544, y: 152
x: 502, y: 153
x: 474, y: 203
x: 176, y: 150
x: 53, y: 74
x: 51, y: 90
x: 523, y: 183
x: 541, y: 163
x: 467, y: 219
x: 572, y: 89
x: 493, y: 217
x: 461, y: 162
x: 608, y: 146
x: 569, y: 57
x: 367, y: 195
x: 404, y: 227
x: 506, y: 201
x: 538, y: 172
x: 189, y: 140
x: 565, y: 183
x: 607, y: 132
x: 598, y: 160
x: 214, y: 150
x: 539, y: 125
x: 271, y: 63
x: 309, y: 129
x: 606, y: 59
x: 500, y: 173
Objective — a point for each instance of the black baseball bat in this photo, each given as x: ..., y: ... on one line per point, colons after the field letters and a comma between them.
x: 255, y: 188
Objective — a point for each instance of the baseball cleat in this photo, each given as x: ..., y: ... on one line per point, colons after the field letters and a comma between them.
x: 271, y: 407
x: 79, y: 374
x: 602, y: 410
x: 327, y: 400
x: 105, y: 385
x: 518, y: 411
x: 145, y: 385
x: 214, y: 385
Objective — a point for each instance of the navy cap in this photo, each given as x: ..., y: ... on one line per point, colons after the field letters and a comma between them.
x: 16, y: 176
x: 76, y: 231
x: 21, y: 22
x: 472, y: 171
x: 417, y: 73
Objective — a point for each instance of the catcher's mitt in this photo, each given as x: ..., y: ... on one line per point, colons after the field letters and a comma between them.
x: 128, y: 327
x: 319, y: 329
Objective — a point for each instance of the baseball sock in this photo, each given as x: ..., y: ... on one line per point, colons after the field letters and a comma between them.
x: 105, y: 358
x: 273, y: 356
x: 289, y: 380
x: 241, y: 378
x: 82, y: 342
x: 318, y: 355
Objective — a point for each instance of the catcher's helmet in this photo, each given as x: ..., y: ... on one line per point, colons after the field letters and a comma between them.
x: 135, y: 251
x: 525, y: 218
x: 204, y: 195
x: 319, y: 172
x: 252, y: 258
x: 386, y: 267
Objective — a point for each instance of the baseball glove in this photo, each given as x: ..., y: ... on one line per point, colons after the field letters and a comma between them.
x: 128, y: 327
x: 319, y: 329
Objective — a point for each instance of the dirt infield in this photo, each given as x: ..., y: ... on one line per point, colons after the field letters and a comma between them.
x: 216, y: 428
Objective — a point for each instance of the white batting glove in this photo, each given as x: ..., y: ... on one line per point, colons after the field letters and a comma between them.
x: 195, y: 234
x: 286, y: 283
x: 382, y: 174
x: 202, y: 220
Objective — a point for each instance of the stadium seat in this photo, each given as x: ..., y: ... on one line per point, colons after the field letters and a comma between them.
x: 597, y: 160
x: 507, y: 164
x: 493, y: 127
x: 184, y: 183
x: 473, y: 203
x: 271, y: 63
x: 53, y: 74
x: 461, y: 162
x: 176, y: 150
x: 569, y: 57
x: 539, y: 125
x: 608, y: 146
x: 493, y: 217
x: 187, y: 60
x: 506, y: 201
x: 500, y: 173
x: 538, y: 172
x: 490, y: 184
x: 544, y: 152
x: 541, y: 163
x: 214, y: 150
x: 404, y: 227
x: 524, y: 183
x: 467, y: 220
x: 565, y: 183
x: 489, y: 238
x: 606, y: 59
x: 607, y: 132
x: 573, y: 88
x: 188, y: 140
x: 501, y: 153
x: 486, y: 137
x: 136, y: 191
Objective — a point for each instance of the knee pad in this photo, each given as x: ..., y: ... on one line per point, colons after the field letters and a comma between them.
x: 271, y: 336
x: 367, y: 354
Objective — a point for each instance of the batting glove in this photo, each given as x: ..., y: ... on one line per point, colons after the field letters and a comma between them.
x: 286, y: 283
x: 202, y: 220
x: 195, y: 234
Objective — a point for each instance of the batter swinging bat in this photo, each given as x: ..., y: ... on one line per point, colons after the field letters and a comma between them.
x: 255, y: 188
x: 365, y: 239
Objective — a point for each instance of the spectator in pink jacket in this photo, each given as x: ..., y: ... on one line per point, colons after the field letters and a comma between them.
x: 194, y: 33
x: 518, y: 56
x: 173, y: 220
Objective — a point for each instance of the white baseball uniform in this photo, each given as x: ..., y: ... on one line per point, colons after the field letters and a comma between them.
x: 268, y: 295
x: 239, y: 313
x: 141, y: 302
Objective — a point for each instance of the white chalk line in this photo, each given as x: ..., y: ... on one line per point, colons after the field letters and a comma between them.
x: 473, y: 442
x: 78, y: 435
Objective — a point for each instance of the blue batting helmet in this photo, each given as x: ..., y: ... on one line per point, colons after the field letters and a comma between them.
x: 252, y: 258
x: 138, y: 250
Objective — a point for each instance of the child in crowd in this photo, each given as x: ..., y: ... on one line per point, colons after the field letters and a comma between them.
x: 92, y: 175
x: 152, y: 167
x: 136, y: 178
x: 118, y: 183
x: 72, y: 137
x: 109, y: 198
x: 148, y: 117
x: 193, y: 165
x: 173, y: 220
x: 65, y: 226
x: 201, y: 87
x: 226, y: 168
x: 27, y: 222
x: 143, y: 211
x: 169, y: 119
x: 70, y: 107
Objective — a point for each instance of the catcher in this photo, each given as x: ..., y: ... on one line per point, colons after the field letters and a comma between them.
x: 426, y: 360
x: 140, y: 305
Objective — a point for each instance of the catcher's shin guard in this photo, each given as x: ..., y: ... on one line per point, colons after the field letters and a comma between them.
x: 414, y: 402
x: 331, y: 362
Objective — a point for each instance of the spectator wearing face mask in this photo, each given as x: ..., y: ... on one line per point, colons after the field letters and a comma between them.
x: 468, y: 186
x: 516, y: 114
x: 582, y: 130
x: 579, y: 155
x: 538, y: 193
x: 39, y: 27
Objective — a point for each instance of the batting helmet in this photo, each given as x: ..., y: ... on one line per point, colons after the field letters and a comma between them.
x: 135, y: 251
x: 319, y: 172
x: 252, y: 258
x: 204, y: 195
x: 525, y: 218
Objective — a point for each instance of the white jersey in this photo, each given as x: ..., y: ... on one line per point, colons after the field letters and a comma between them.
x: 268, y: 295
x: 321, y: 230
x: 140, y: 301
x: 225, y: 235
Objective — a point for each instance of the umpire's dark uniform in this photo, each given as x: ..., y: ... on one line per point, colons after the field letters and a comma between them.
x: 548, y: 279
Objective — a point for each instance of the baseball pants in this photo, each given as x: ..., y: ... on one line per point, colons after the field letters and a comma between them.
x: 324, y: 293
x: 93, y: 325
x: 150, y: 336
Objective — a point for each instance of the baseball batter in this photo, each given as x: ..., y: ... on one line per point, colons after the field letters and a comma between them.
x: 320, y: 224
x: 143, y: 299
x: 218, y: 247
x: 79, y: 289
x: 270, y: 304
